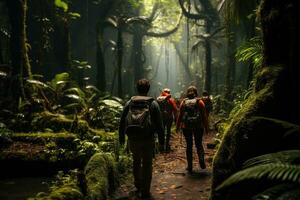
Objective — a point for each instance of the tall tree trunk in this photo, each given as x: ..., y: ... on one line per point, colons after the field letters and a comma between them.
x: 280, y: 40
x: 230, y: 63
x: 208, y: 58
x: 207, y: 83
x: 1, y: 55
x: 137, y: 56
x: 119, y: 61
x: 19, y: 58
x: 62, y: 43
x: 101, y: 70
x: 183, y: 61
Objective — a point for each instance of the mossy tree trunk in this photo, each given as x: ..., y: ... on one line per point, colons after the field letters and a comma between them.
x: 19, y: 58
x: 182, y: 60
x: 104, y: 11
x: 137, y: 55
x: 271, y: 97
x: 101, y: 70
x: 120, y: 57
x: 280, y: 40
x: 1, y: 55
x: 62, y: 43
x: 208, y: 59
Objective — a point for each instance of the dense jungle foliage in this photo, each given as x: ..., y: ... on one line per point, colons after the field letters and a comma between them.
x: 68, y: 67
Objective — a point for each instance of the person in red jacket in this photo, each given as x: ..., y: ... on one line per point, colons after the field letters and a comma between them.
x: 192, y: 120
x: 168, y: 109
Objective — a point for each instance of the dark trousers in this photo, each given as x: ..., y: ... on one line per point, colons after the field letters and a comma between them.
x: 167, y: 126
x: 142, y: 153
x: 197, y: 133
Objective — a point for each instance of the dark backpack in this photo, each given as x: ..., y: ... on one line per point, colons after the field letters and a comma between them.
x: 138, y: 118
x: 192, y: 114
x: 208, y: 104
x: 165, y: 107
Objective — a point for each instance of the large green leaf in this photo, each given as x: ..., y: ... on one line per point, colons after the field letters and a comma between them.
x: 61, y: 4
x: 75, y: 90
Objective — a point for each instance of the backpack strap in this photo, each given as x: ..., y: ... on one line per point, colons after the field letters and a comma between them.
x: 142, y: 98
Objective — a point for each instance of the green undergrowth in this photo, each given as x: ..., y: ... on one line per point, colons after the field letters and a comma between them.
x: 64, y: 187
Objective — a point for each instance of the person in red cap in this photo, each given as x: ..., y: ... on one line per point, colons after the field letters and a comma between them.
x: 168, y: 109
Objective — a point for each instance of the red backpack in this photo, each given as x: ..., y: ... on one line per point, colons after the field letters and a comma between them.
x: 165, y: 107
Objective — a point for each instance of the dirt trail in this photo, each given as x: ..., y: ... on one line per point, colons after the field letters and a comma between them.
x: 171, y: 180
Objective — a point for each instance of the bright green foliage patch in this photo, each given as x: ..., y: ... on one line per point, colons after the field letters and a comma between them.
x: 101, y: 177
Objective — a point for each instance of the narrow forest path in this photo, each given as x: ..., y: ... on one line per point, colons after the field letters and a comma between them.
x: 170, y: 179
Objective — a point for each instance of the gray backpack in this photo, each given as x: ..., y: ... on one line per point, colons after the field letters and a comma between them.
x: 138, y: 118
x: 192, y: 114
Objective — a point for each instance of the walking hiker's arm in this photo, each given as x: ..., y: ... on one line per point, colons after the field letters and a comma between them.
x: 204, y: 118
x: 122, y: 124
x: 179, y: 118
x: 158, y: 123
x: 174, y: 108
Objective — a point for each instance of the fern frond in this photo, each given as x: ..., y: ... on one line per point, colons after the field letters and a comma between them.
x: 274, y: 192
x: 251, y: 51
x: 269, y: 171
x: 283, y: 157
x: 290, y: 195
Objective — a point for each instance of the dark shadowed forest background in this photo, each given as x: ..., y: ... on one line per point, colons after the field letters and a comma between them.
x: 68, y: 66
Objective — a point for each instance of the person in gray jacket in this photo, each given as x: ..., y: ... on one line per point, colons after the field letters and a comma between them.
x: 141, y: 141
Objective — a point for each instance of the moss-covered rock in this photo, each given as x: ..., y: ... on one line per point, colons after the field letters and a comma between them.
x: 66, y: 187
x: 59, y: 122
x: 37, y: 151
x: 5, y: 136
x: 100, y: 174
x: 62, y: 139
x: 66, y: 192
x: 249, y: 135
x: 110, y: 111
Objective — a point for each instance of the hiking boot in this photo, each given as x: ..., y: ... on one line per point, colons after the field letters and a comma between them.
x: 147, y: 196
x: 168, y: 149
x: 135, y: 193
x: 190, y: 170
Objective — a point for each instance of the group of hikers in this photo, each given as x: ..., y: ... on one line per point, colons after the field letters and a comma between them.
x: 143, y: 117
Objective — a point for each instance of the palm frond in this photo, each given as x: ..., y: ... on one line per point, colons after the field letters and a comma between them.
x: 73, y: 106
x: 37, y: 83
x: 111, y: 21
x: 75, y: 90
x: 290, y: 195
x: 282, y: 157
x: 3, y: 74
x: 76, y: 99
x: 92, y: 88
x: 283, y: 172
